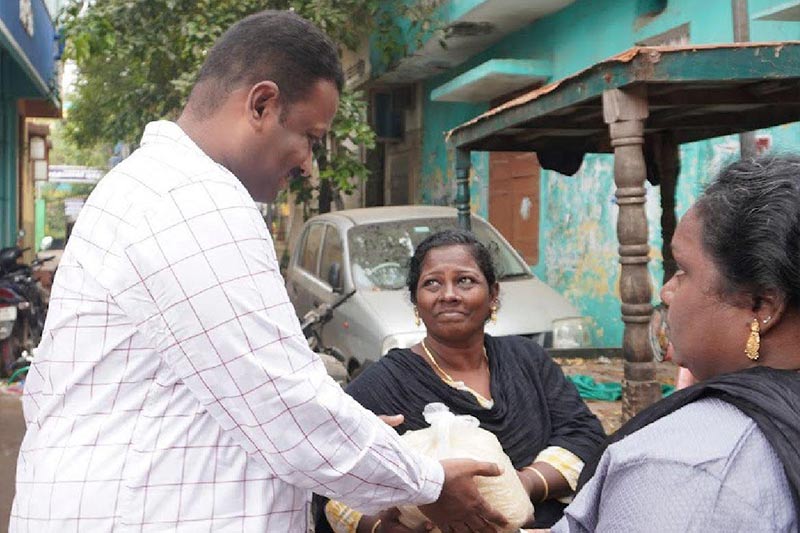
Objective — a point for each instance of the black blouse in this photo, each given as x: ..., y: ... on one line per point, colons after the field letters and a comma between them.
x: 535, y: 406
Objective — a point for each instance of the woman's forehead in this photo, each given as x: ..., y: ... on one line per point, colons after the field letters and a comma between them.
x: 687, y: 233
x: 452, y: 253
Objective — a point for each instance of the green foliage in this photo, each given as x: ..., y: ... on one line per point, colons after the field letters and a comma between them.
x: 138, y: 59
x: 54, y: 195
x: 403, y: 26
x: 65, y: 152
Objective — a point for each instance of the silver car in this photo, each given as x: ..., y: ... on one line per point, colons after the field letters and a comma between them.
x: 358, y: 260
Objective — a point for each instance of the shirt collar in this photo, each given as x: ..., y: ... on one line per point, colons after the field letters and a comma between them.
x: 167, y: 132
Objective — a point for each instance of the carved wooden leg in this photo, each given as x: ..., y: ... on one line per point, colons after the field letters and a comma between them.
x: 625, y: 112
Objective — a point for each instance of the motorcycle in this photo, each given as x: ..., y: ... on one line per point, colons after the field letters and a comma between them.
x: 11, y: 303
x: 312, y: 324
x: 24, y: 293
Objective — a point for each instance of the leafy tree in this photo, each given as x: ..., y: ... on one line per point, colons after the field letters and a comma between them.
x: 65, y: 152
x: 138, y: 59
x: 54, y: 196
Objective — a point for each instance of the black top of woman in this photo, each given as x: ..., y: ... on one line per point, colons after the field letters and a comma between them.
x: 535, y: 406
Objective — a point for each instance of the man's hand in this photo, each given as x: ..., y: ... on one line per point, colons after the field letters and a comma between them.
x: 392, y: 420
x: 460, y: 506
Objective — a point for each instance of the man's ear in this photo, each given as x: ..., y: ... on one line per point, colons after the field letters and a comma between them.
x: 262, y: 102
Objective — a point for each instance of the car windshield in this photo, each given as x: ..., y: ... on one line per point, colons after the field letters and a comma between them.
x: 380, y: 253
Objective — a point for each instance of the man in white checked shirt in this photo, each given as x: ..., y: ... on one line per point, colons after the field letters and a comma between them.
x: 173, y: 389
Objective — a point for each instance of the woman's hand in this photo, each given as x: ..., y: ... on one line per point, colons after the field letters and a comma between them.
x: 390, y: 523
x: 527, y: 481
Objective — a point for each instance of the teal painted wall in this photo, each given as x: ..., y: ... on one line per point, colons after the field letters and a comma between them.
x: 8, y: 150
x: 577, y: 235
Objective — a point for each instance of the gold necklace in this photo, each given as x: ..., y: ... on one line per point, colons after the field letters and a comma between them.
x: 447, y: 378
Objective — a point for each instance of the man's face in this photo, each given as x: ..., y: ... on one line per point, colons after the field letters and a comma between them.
x: 286, y: 140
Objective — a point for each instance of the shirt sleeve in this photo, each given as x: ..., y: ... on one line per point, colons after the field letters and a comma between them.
x: 205, y: 287
x: 564, y: 461
x: 342, y: 518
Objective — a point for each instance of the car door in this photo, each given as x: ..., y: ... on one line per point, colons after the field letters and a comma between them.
x: 333, y: 271
x: 303, y: 272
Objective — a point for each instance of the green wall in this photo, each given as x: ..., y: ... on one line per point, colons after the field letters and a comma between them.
x: 8, y: 150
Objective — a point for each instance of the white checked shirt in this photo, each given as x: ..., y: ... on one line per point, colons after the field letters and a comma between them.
x: 173, y: 389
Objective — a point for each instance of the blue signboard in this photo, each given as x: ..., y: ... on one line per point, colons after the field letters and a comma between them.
x: 27, y: 31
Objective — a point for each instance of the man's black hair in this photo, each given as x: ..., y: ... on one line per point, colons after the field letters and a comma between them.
x: 279, y: 46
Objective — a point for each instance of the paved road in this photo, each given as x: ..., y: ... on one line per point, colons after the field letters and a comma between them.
x: 12, y: 429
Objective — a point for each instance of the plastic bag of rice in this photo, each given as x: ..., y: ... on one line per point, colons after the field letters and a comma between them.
x: 458, y: 436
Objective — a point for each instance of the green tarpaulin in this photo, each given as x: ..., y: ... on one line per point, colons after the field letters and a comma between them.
x: 590, y: 389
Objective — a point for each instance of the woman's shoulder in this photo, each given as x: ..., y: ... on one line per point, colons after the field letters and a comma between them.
x: 692, y: 470
x: 701, y: 432
x: 385, y: 366
x: 517, y: 346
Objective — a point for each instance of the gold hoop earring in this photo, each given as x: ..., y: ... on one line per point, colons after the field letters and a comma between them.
x: 753, y: 341
x: 417, y: 321
x: 493, y: 316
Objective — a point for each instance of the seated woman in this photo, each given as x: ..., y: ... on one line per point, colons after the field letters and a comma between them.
x: 723, y: 454
x: 508, y: 383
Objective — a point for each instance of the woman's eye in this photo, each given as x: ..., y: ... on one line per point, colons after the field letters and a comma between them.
x: 429, y: 283
x: 466, y: 281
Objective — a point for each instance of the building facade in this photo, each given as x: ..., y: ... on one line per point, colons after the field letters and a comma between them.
x: 496, y: 49
x: 29, y: 47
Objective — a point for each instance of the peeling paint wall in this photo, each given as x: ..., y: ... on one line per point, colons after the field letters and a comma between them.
x: 577, y: 230
x: 438, y: 183
x: 579, y: 217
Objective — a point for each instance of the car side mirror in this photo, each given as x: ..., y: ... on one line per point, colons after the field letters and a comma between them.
x: 335, y: 277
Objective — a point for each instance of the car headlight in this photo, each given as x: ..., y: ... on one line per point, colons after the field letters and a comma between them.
x: 401, y: 340
x: 572, y: 332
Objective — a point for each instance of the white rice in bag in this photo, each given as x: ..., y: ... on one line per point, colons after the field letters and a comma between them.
x: 459, y: 437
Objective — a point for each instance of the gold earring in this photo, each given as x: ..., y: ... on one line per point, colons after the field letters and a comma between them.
x: 493, y: 316
x: 417, y: 321
x: 753, y: 341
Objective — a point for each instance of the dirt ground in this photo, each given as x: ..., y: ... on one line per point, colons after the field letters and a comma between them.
x: 603, y: 369
x: 13, y: 424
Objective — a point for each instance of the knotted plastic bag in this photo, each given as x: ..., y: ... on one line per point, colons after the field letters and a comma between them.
x: 459, y: 437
